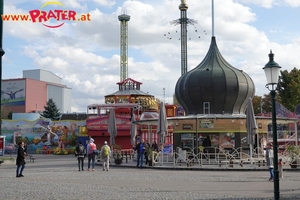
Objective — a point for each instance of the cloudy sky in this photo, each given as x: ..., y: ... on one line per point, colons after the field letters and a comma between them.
x: 86, y: 55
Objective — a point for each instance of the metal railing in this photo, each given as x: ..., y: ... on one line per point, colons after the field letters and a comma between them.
x: 213, y: 157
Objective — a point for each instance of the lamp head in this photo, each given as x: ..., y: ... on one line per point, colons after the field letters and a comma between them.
x: 272, y: 70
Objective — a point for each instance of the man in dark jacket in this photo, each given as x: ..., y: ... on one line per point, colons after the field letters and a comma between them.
x: 140, y: 149
x: 206, y: 144
x: 20, y: 162
x: 80, y: 153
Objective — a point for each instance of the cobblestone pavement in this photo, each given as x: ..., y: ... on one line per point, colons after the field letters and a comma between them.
x: 57, y: 178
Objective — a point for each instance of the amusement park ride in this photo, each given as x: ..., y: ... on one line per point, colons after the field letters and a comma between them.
x: 129, y: 101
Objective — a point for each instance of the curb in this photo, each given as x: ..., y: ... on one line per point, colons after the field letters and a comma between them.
x: 195, y: 169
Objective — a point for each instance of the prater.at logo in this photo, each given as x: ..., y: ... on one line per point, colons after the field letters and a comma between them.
x: 58, y: 15
x: 49, y: 17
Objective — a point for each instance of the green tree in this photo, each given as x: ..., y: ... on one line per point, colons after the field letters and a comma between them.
x: 289, y: 88
x: 51, y: 111
x: 256, y: 102
x: 5, y: 113
x: 9, y: 116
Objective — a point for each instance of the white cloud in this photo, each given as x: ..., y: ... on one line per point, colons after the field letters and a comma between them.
x: 271, y: 3
x: 68, y: 4
x: 107, y: 3
x: 263, y: 3
x: 293, y: 3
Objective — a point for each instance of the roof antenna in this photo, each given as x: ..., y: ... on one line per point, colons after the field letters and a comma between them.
x: 212, y: 18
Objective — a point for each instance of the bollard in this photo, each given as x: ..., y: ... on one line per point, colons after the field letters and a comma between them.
x: 280, y: 168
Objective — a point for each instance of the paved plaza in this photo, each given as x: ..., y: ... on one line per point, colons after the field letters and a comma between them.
x: 57, y: 177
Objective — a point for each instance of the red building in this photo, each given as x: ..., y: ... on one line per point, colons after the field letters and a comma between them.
x: 128, y: 100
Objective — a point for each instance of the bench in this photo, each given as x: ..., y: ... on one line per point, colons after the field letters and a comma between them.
x: 31, y: 158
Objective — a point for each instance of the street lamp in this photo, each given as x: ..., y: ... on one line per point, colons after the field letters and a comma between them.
x: 272, y: 70
x: 1, y: 55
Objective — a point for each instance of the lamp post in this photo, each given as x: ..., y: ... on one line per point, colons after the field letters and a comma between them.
x: 272, y: 70
x: 1, y: 54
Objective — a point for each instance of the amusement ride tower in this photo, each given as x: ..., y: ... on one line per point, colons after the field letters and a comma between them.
x: 183, y: 21
x: 129, y: 90
x: 124, y: 46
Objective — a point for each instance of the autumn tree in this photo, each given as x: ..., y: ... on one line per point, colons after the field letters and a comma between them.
x: 289, y: 88
x: 51, y: 111
x: 288, y: 93
x: 267, y: 103
x: 262, y: 104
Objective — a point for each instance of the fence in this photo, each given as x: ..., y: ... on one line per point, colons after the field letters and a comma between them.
x: 216, y: 157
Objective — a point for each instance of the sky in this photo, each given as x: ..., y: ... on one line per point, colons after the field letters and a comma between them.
x: 86, y: 54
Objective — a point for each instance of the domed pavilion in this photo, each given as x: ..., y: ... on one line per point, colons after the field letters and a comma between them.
x: 214, y: 86
x: 214, y: 96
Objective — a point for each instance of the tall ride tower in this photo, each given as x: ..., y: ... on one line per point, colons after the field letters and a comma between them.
x: 183, y: 21
x: 124, y: 46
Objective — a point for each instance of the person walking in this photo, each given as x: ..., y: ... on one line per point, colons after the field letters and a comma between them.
x: 140, y: 148
x: 146, y: 152
x: 270, y: 160
x: 80, y: 153
x: 91, y: 155
x: 20, y: 162
x: 105, y: 153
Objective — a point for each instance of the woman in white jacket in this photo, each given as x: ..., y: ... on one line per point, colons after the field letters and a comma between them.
x: 270, y: 160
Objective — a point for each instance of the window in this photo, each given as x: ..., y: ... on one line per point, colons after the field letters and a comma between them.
x: 206, y: 108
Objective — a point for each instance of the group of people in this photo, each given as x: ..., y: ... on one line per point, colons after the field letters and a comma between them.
x: 143, y: 148
x: 90, y: 152
x: 80, y: 153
